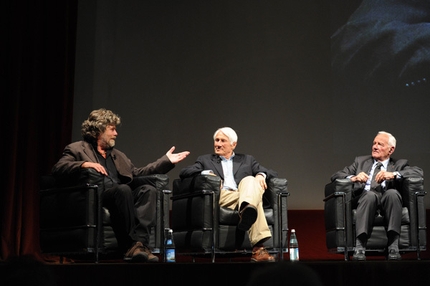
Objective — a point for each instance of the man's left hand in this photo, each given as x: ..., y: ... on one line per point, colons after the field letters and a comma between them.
x: 261, y: 181
x: 384, y: 176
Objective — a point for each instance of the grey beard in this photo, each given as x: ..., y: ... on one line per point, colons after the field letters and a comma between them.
x: 111, y: 143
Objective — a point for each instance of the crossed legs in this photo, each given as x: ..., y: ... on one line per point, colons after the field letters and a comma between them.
x: 249, y: 193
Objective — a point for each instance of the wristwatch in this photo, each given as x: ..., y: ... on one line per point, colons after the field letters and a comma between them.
x: 396, y: 175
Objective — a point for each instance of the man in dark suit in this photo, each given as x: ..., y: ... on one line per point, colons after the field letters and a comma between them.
x: 132, y: 206
x: 244, y: 183
x: 378, y: 177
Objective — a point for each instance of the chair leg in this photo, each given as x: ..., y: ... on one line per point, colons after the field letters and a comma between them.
x: 280, y: 226
x: 418, y: 223
x: 345, y: 228
x: 214, y: 205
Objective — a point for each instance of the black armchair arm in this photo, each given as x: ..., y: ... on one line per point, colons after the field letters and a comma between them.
x: 85, y: 177
x: 89, y: 176
x: 275, y: 186
x: 209, y: 183
x: 337, y: 187
x: 413, y: 194
x: 197, y: 184
x: 159, y: 181
x: 410, y: 188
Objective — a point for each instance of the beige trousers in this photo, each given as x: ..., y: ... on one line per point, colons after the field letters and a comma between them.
x: 251, y: 192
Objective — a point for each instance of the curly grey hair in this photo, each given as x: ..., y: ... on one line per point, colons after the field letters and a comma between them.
x: 97, y: 122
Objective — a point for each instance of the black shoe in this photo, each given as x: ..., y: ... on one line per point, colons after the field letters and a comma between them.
x: 359, y: 255
x: 248, y: 215
x: 394, y: 255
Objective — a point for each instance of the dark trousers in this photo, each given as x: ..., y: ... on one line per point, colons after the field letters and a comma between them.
x: 133, y: 212
x: 389, y: 202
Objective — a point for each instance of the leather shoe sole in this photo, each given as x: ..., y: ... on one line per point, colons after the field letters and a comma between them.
x: 152, y: 258
x: 248, y: 215
x: 140, y: 257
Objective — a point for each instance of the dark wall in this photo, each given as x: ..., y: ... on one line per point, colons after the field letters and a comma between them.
x: 175, y: 71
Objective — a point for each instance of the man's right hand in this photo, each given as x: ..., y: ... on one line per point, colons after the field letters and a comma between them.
x: 96, y: 166
x: 361, y: 178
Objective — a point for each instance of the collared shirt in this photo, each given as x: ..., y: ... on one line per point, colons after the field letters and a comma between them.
x: 383, y: 168
x: 227, y: 168
x: 229, y: 182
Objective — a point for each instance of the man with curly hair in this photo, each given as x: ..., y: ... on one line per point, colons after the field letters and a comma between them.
x: 126, y: 200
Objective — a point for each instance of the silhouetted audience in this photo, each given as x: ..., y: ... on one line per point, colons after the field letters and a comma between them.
x: 26, y: 270
x: 285, y: 273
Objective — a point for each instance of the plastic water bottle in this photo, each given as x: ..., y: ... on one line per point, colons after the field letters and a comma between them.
x: 294, y: 246
x: 169, y: 247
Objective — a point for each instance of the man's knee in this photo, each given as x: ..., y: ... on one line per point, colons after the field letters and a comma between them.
x: 145, y: 191
x: 368, y: 198
x: 117, y: 195
x: 250, y: 182
x: 123, y: 190
x: 392, y: 195
x: 247, y: 180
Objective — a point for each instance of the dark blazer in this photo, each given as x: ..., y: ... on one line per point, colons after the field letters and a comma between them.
x: 364, y: 164
x: 243, y: 165
x: 75, y: 154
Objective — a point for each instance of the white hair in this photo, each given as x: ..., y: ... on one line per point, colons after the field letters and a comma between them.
x: 229, y: 132
x: 391, y: 139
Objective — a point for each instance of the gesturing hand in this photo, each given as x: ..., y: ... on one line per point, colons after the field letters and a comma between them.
x: 176, y: 157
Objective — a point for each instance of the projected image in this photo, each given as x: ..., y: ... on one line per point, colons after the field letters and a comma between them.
x: 381, y: 73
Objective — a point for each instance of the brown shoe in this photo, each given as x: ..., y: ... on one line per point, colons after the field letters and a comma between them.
x: 136, y: 253
x: 151, y: 257
x: 260, y: 254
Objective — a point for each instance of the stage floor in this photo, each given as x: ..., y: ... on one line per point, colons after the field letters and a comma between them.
x: 330, y: 273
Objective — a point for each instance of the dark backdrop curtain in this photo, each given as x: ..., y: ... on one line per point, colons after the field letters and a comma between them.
x: 37, y: 70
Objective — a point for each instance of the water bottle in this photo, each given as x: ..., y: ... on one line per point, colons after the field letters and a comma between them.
x: 169, y: 247
x: 294, y: 246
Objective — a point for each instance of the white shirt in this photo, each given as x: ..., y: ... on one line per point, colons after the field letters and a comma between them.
x: 227, y: 168
x: 383, y: 168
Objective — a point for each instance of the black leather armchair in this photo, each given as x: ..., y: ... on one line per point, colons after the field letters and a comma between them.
x: 339, y: 212
x: 201, y: 226
x: 73, y: 221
